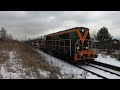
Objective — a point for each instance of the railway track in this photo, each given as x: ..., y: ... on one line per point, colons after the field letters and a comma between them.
x: 106, y: 65
x: 91, y: 72
x: 100, y: 71
x: 106, y: 69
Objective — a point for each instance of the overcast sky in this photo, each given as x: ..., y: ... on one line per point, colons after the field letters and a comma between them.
x: 38, y: 23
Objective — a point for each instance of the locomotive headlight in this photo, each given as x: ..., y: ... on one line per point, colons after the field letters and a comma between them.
x: 82, y: 30
x: 78, y: 47
x: 86, y: 47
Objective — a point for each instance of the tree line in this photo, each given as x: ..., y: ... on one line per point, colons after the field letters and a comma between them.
x: 4, y: 35
x: 105, y: 41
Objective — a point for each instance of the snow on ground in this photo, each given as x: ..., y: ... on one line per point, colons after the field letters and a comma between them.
x: 67, y: 70
x: 101, y: 72
x: 44, y: 73
x: 108, y: 60
x: 12, y: 68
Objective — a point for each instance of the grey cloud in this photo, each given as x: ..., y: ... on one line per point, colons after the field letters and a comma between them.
x: 37, y: 23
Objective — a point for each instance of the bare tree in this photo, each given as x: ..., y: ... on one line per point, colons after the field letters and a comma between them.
x: 3, y: 33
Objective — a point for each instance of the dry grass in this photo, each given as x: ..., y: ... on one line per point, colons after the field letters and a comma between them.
x: 29, y: 58
x: 3, y: 57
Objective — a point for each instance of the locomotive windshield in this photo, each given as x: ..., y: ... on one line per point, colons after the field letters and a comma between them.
x: 85, y: 42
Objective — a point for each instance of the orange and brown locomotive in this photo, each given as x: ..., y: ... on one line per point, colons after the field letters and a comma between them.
x: 72, y: 44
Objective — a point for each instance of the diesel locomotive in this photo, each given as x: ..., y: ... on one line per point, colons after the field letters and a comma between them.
x: 73, y: 44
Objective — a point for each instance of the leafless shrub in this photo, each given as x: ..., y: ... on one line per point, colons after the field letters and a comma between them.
x: 29, y: 58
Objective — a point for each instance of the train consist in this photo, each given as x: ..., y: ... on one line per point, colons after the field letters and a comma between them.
x: 72, y: 44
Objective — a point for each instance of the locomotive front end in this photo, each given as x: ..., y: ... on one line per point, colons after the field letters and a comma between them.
x: 84, y: 47
x: 84, y: 51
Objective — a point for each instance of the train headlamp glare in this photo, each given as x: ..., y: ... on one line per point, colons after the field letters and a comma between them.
x: 78, y: 48
x: 86, y: 47
x: 82, y: 30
